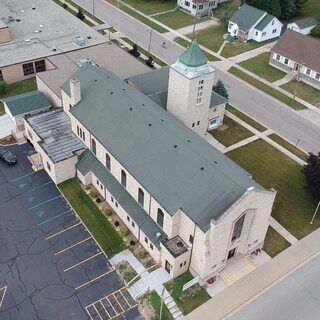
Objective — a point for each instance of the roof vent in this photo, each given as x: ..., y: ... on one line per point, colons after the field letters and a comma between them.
x: 54, y: 48
x: 95, y: 80
x: 85, y: 61
x: 162, y: 120
x: 158, y: 235
x: 111, y: 92
x: 150, y: 124
x: 202, y: 168
x: 188, y: 140
x: 130, y: 109
x: 142, y: 104
x: 123, y: 89
x: 179, y: 244
x: 18, y: 19
x: 175, y: 146
x: 33, y: 7
x: 216, y: 162
x: 79, y: 41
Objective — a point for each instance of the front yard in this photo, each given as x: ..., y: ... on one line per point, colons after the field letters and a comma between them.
x: 233, y: 49
x: 176, y: 19
x: 294, y: 206
x: 152, y: 6
x: 274, y: 243
x: 18, y: 88
x: 102, y: 230
x: 190, y: 299
x: 230, y: 132
x: 260, y: 66
x: 305, y: 92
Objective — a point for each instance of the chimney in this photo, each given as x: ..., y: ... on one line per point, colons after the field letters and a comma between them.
x: 75, y: 91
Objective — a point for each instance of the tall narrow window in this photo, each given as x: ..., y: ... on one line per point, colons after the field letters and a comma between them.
x: 93, y: 146
x: 141, y: 197
x: 123, y: 178
x: 108, y: 162
x: 160, y: 218
x: 238, y: 228
x: 83, y: 136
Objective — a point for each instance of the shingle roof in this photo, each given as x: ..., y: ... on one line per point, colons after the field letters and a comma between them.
x: 88, y: 162
x: 246, y: 17
x: 299, y: 48
x: 176, y: 166
x: 26, y: 103
x: 306, y: 22
x: 193, y: 56
x: 264, y: 22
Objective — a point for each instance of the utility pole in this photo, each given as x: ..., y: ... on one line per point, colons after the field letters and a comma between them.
x: 161, y: 306
x: 150, y: 38
x: 93, y: 13
x: 315, y: 213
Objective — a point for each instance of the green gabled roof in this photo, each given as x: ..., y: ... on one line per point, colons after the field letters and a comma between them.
x: 264, y: 22
x: 193, y: 56
x: 306, y: 22
x: 89, y: 163
x: 26, y: 103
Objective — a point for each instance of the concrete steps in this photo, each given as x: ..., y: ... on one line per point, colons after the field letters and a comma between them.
x: 232, y: 278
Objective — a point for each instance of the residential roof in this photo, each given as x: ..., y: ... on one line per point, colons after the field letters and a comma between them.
x: 54, y: 129
x: 299, y: 48
x: 246, y: 17
x: 193, y: 56
x: 40, y: 30
x: 306, y: 22
x: 89, y: 163
x: 26, y: 103
x: 175, y: 165
x: 264, y: 22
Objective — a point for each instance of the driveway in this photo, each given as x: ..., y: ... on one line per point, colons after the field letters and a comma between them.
x: 6, y: 126
x: 50, y: 266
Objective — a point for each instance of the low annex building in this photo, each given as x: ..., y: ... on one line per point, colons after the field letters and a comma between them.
x: 298, y: 53
x: 303, y: 26
x: 199, y: 8
x: 250, y: 23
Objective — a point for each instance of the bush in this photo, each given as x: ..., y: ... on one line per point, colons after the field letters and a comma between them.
x: 98, y: 200
x: 124, y: 232
x: 65, y: 5
x: 142, y: 254
x: 117, y: 223
x: 315, y: 32
x: 132, y: 243
x: 3, y: 87
x: 108, y: 212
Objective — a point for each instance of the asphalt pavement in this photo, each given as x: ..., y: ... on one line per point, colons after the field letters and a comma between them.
x: 263, y: 108
x: 50, y: 266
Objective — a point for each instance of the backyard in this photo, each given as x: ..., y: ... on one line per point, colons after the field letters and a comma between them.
x: 18, y: 88
x: 294, y: 206
x: 109, y: 240
x: 260, y: 66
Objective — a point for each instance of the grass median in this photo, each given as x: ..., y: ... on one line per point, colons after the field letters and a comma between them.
x: 267, y: 89
x: 102, y: 230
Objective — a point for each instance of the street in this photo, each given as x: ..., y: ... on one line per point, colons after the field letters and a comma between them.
x: 284, y: 121
x: 294, y: 298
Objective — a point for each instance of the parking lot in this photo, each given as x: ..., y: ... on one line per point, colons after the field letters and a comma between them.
x: 50, y: 266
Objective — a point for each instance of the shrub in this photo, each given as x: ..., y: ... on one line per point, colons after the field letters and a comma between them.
x: 315, y: 32
x: 124, y: 232
x: 108, y: 212
x: 98, y: 200
x: 117, y: 223
x: 132, y: 243
x: 142, y: 254
x: 65, y: 5
x: 3, y: 87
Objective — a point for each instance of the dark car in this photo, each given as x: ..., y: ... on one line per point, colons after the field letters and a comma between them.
x: 7, y: 156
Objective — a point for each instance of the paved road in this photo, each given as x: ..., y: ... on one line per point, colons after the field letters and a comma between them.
x: 268, y: 111
x: 296, y: 297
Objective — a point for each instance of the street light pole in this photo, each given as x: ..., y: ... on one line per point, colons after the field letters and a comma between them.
x: 315, y: 213
x: 93, y: 13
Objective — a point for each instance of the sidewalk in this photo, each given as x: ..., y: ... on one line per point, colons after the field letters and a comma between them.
x: 282, y: 231
x: 245, y: 290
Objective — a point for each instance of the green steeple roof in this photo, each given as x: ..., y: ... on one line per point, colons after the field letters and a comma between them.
x: 193, y: 56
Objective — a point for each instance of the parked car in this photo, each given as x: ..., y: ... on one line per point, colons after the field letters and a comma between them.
x: 7, y: 156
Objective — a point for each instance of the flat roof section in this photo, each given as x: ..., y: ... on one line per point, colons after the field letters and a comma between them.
x: 43, y: 25
x: 57, y: 139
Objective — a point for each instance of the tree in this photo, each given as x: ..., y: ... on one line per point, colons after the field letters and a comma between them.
x: 315, y: 32
x: 312, y: 173
x: 288, y: 9
x: 80, y: 15
x: 271, y: 6
x: 3, y: 87
x: 220, y: 88
x: 300, y: 4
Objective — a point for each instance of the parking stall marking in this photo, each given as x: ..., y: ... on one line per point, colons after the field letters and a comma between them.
x: 3, y: 291
x: 44, y: 202
x: 42, y: 185
x: 53, y: 218
x: 106, y: 303
x: 81, y: 262
x: 62, y: 231
x: 72, y: 246
x: 94, y: 279
x: 24, y: 176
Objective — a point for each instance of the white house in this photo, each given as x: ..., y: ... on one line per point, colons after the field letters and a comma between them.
x: 303, y: 26
x: 201, y: 8
x: 250, y: 23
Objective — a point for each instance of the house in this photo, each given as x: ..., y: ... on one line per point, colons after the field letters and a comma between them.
x: 299, y: 53
x: 250, y: 23
x: 303, y: 26
x: 199, y: 8
x: 190, y: 206
x: 30, y: 32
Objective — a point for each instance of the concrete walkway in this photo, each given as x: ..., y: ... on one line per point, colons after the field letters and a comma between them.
x: 282, y: 231
x: 214, y: 142
x: 222, y: 46
x: 245, y: 290
x: 287, y: 78
x: 126, y: 255
x: 242, y: 143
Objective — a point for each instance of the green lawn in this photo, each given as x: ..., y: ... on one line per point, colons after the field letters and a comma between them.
x: 233, y: 49
x: 246, y: 118
x: 176, y: 19
x: 18, y: 88
x: 304, y: 91
x: 289, y: 146
x: 152, y: 6
x: 94, y: 220
x: 294, y: 206
x: 274, y: 243
x: 312, y: 9
x: 190, y: 299
x: 267, y: 89
x: 260, y: 66
x: 235, y: 133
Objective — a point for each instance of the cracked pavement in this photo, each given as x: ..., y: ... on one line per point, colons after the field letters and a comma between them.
x: 39, y: 286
